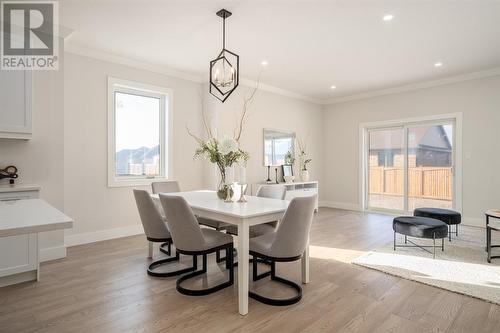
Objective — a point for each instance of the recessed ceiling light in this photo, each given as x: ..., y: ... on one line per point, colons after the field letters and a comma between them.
x: 387, y: 17
x: 438, y: 64
x: 264, y: 63
x: 333, y: 87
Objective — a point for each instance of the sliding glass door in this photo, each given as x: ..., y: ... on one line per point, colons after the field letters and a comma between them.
x: 410, y: 166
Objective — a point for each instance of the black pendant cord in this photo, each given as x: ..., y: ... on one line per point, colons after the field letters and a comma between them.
x: 224, y: 33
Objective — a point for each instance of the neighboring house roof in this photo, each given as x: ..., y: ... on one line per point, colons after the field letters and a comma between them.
x: 434, y: 138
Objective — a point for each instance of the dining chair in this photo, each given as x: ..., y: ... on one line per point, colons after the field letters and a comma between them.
x: 167, y: 186
x: 190, y: 239
x: 156, y: 231
x: 171, y: 186
x: 264, y: 191
x: 288, y: 243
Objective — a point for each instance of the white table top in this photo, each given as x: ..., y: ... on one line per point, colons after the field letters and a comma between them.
x: 255, y: 206
x: 30, y: 216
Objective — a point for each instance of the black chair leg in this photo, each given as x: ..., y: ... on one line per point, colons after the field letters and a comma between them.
x: 202, y: 292
x: 168, y: 250
x: 155, y: 264
x: 273, y: 301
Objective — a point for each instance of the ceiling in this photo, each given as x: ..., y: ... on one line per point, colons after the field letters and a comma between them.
x: 309, y: 45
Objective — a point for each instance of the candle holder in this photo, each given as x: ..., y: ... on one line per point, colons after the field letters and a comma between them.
x: 268, y: 174
x: 243, y: 188
x: 276, y: 171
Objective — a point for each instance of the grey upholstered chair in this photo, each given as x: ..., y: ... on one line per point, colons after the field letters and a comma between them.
x: 171, y: 186
x: 190, y: 239
x: 167, y: 186
x: 288, y: 243
x: 264, y: 191
x: 156, y: 231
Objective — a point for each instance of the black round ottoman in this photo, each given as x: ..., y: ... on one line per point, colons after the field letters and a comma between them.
x: 420, y: 227
x: 448, y: 216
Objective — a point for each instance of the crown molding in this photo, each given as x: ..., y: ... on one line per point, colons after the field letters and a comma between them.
x: 135, y: 63
x: 280, y: 91
x: 160, y: 69
x: 415, y: 86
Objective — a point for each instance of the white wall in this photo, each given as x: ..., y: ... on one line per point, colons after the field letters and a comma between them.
x: 101, y: 212
x: 96, y: 207
x: 268, y: 110
x: 478, y: 100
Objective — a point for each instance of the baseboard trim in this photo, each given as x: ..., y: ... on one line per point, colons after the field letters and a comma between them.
x: 468, y: 221
x: 339, y: 205
x: 473, y: 222
x: 101, y: 235
x: 52, y: 253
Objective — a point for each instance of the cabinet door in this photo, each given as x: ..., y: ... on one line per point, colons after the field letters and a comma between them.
x: 15, y: 104
x: 18, y: 254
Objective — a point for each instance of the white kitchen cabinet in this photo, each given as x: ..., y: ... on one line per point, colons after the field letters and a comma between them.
x: 15, y: 104
x: 18, y: 253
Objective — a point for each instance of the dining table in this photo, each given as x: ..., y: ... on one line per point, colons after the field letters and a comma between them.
x: 256, y: 210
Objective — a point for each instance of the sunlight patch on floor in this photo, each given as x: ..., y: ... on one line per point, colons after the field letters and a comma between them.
x: 332, y: 253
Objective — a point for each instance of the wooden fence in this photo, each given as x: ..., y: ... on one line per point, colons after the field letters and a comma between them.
x: 423, y: 182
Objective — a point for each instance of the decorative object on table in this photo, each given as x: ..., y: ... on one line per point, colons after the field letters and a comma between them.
x: 229, y: 193
x: 492, y: 213
x: 243, y: 190
x: 225, y: 69
x: 303, y: 161
x: 287, y: 171
x: 269, y: 174
x: 276, y: 175
x: 448, y: 216
x: 224, y: 152
x: 9, y: 172
x: 289, y: 179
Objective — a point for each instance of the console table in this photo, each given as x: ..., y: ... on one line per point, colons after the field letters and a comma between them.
x: 295, y: 189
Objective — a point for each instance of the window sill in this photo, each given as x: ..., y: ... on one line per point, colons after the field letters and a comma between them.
x: 134, y: 182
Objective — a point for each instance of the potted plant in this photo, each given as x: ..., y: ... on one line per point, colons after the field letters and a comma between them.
x: 226, y: 152
x: 303, y: 161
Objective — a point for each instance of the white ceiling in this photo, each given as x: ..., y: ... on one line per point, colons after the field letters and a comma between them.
x: 310, y: 45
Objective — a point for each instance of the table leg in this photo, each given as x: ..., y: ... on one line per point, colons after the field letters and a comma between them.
x: 487, y: 222
x: 243, y: 257
x: 37, y: 258
x: 150, y: 249
x: 305, y: 265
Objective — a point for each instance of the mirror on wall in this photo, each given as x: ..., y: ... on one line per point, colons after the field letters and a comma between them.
x: 276, y: 144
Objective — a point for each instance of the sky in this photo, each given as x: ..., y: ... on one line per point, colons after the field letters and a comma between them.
x: 137, y: 121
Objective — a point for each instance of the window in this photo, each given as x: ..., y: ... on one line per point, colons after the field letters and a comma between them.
x: 139, y: 133
x: 414, y: 163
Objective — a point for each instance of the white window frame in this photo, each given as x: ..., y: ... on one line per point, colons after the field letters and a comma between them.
x: 166, y: 131
x: 364, y: 129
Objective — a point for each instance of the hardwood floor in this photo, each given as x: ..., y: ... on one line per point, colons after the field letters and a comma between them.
x: 103, y: 287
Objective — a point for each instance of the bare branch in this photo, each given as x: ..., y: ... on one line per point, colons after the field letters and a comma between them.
x: 199, y: 140
x: 246, y: 105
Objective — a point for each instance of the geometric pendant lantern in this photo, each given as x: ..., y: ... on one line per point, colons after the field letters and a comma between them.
x: 225, y: 69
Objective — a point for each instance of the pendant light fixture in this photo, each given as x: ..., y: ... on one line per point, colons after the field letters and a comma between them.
x: 225, y: 69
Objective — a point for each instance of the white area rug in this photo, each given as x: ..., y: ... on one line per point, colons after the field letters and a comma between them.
x: 461, y: 268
